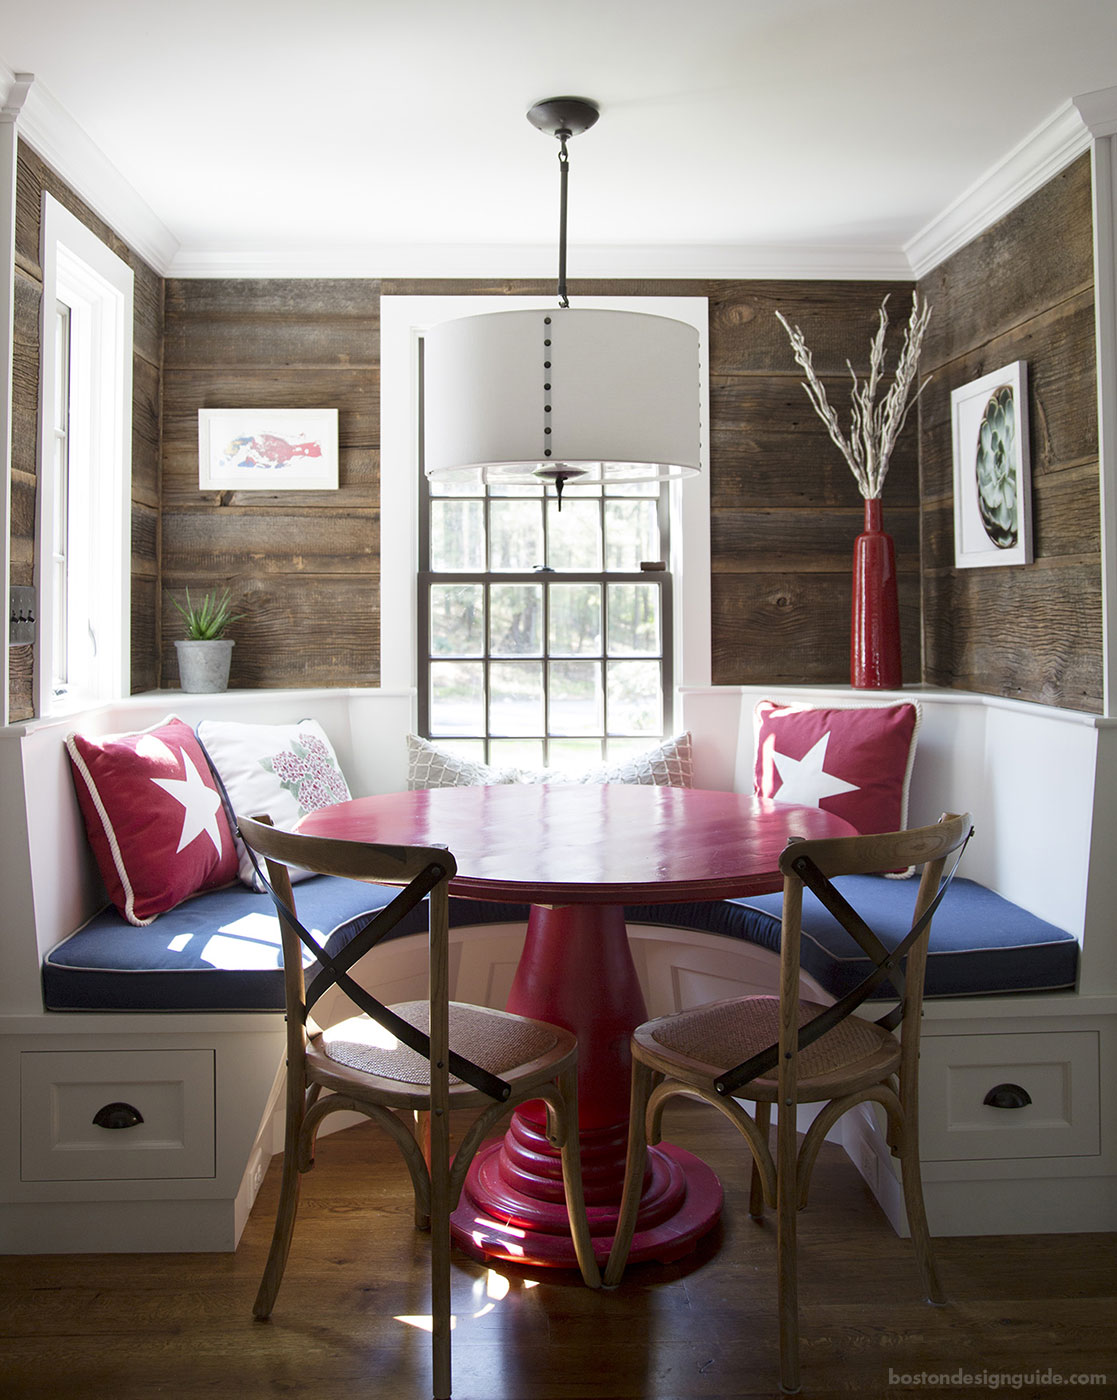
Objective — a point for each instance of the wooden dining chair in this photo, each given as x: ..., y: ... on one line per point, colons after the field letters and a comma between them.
x: 428, y: 1057
x: 787, y: 1051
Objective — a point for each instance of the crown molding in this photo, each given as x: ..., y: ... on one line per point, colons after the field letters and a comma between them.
x: 47, y: 127
x: 14, y: 88
x: 1025, y: 169
x: 1098, y: 110
x: 53, y: 134
x: 720, y: 262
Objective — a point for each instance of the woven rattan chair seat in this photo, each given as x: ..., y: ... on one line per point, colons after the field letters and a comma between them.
x: 492, y: 1039
x: 721, y: 1035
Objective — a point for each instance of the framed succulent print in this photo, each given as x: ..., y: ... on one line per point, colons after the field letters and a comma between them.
x: 992, y: 470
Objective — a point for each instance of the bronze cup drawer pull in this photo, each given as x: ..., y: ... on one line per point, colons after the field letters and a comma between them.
x: 1007, y: 1096
x: 118, y: 1115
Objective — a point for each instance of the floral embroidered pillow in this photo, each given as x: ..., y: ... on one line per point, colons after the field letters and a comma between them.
x: 281, y: 771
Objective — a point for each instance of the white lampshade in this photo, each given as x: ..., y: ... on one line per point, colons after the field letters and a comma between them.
x: 579, y: 395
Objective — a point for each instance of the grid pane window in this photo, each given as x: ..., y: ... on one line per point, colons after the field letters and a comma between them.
x: 545, y: 635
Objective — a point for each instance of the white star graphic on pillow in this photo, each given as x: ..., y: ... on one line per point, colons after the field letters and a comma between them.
x: 805, y: 781
x: 200, y: 803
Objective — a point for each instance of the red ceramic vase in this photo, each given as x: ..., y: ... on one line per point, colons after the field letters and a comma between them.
x: 874, y: 642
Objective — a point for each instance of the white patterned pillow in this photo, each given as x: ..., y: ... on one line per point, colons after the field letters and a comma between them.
x: 281, y: 771
x: 428, y: 766
x: 667, y: 765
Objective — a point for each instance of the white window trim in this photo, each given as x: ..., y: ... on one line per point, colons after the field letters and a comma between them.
x: 402, y: 319
x: 72, y: 252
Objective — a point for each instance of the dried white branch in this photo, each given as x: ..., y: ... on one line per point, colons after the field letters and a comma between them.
x: 873, y: 427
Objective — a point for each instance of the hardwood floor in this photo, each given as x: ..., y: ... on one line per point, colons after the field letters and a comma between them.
x: 122, y: 1327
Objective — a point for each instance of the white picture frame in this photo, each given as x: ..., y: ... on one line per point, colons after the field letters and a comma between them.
x: 267, y: 449
x: 992, y: 470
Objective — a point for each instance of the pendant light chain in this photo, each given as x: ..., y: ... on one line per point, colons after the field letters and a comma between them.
x: 564, y: 175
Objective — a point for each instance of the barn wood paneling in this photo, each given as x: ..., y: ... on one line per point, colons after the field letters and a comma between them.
x: 1022, y: 290
x: 785, y: 509
x: 798, y: 621
x: 302, y: 566
x: 785, y: 512
x: 33, y: 176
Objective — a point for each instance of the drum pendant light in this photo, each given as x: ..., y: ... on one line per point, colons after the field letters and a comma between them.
x: 551, y: 397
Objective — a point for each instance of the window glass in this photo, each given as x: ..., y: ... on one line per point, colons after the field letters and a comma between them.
x: 634, y: 626
x: 635, y: 697
x: 516, y: 697
x: 574, y: 535
x: 516, y: 619
x: 457, y: 697
x: 515, y: 535
x: 575, y: 619
x: 457, y: 612
x: 457, y: 535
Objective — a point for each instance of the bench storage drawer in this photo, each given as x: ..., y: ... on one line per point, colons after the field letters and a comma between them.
x: 1058, y: 1072
x: 62, y: 1092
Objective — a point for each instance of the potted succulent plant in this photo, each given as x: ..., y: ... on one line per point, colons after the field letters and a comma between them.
x: 204, y: 655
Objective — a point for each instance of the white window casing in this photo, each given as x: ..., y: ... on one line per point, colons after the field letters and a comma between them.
x: 83, y: 539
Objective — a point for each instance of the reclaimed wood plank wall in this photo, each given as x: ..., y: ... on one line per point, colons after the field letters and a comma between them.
x: 1023, y: 290
x: 304, y: 569
x: 785, y: 509
x: 302, y: 566
x: 33, y: 176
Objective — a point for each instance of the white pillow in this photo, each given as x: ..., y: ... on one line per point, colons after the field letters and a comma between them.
x: 667, y: 765
x: 428, y: 766
x: 281, y: 771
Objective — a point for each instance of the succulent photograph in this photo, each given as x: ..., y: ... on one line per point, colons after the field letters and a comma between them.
x: 995, y: 468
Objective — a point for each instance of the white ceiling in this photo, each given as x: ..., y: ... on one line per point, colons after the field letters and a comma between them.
x: 388, y: 136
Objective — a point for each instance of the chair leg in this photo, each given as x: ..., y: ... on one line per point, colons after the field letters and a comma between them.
x: 423, y: 1137
x: 763, y: 1117
x: 642, y: 1079
x: 440, y: 1253
x: 917, y: 1214
x: 787, y: 1286
x: 572, y: 1182
x: 281, y: 1235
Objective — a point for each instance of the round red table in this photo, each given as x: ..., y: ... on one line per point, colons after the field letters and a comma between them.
x: 577, y: 854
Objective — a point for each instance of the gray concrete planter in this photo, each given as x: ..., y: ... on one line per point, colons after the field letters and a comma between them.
x: 203, y: 667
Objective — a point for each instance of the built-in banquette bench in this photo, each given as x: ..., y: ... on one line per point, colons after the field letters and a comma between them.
x: 214, y: 957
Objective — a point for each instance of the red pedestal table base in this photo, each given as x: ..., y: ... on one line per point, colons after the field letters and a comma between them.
x: 576, y: 971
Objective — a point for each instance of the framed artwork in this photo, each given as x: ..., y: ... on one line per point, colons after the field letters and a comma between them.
x: 267, y: 449
x: 992, y: 470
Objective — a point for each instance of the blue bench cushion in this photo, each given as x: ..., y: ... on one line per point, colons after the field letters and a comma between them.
x: 217, y: 952
x: 981, y: 944
x: 221, y: 952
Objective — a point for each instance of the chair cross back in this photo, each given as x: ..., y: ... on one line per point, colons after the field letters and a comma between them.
x: 886, y: 966
x: 335, y: 969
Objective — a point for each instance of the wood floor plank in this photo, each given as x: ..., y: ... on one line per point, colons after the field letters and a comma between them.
x: 132, y: 1327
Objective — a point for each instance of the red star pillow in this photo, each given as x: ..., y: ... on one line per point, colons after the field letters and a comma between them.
x: 853, y: 762
x: 153, y: 816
